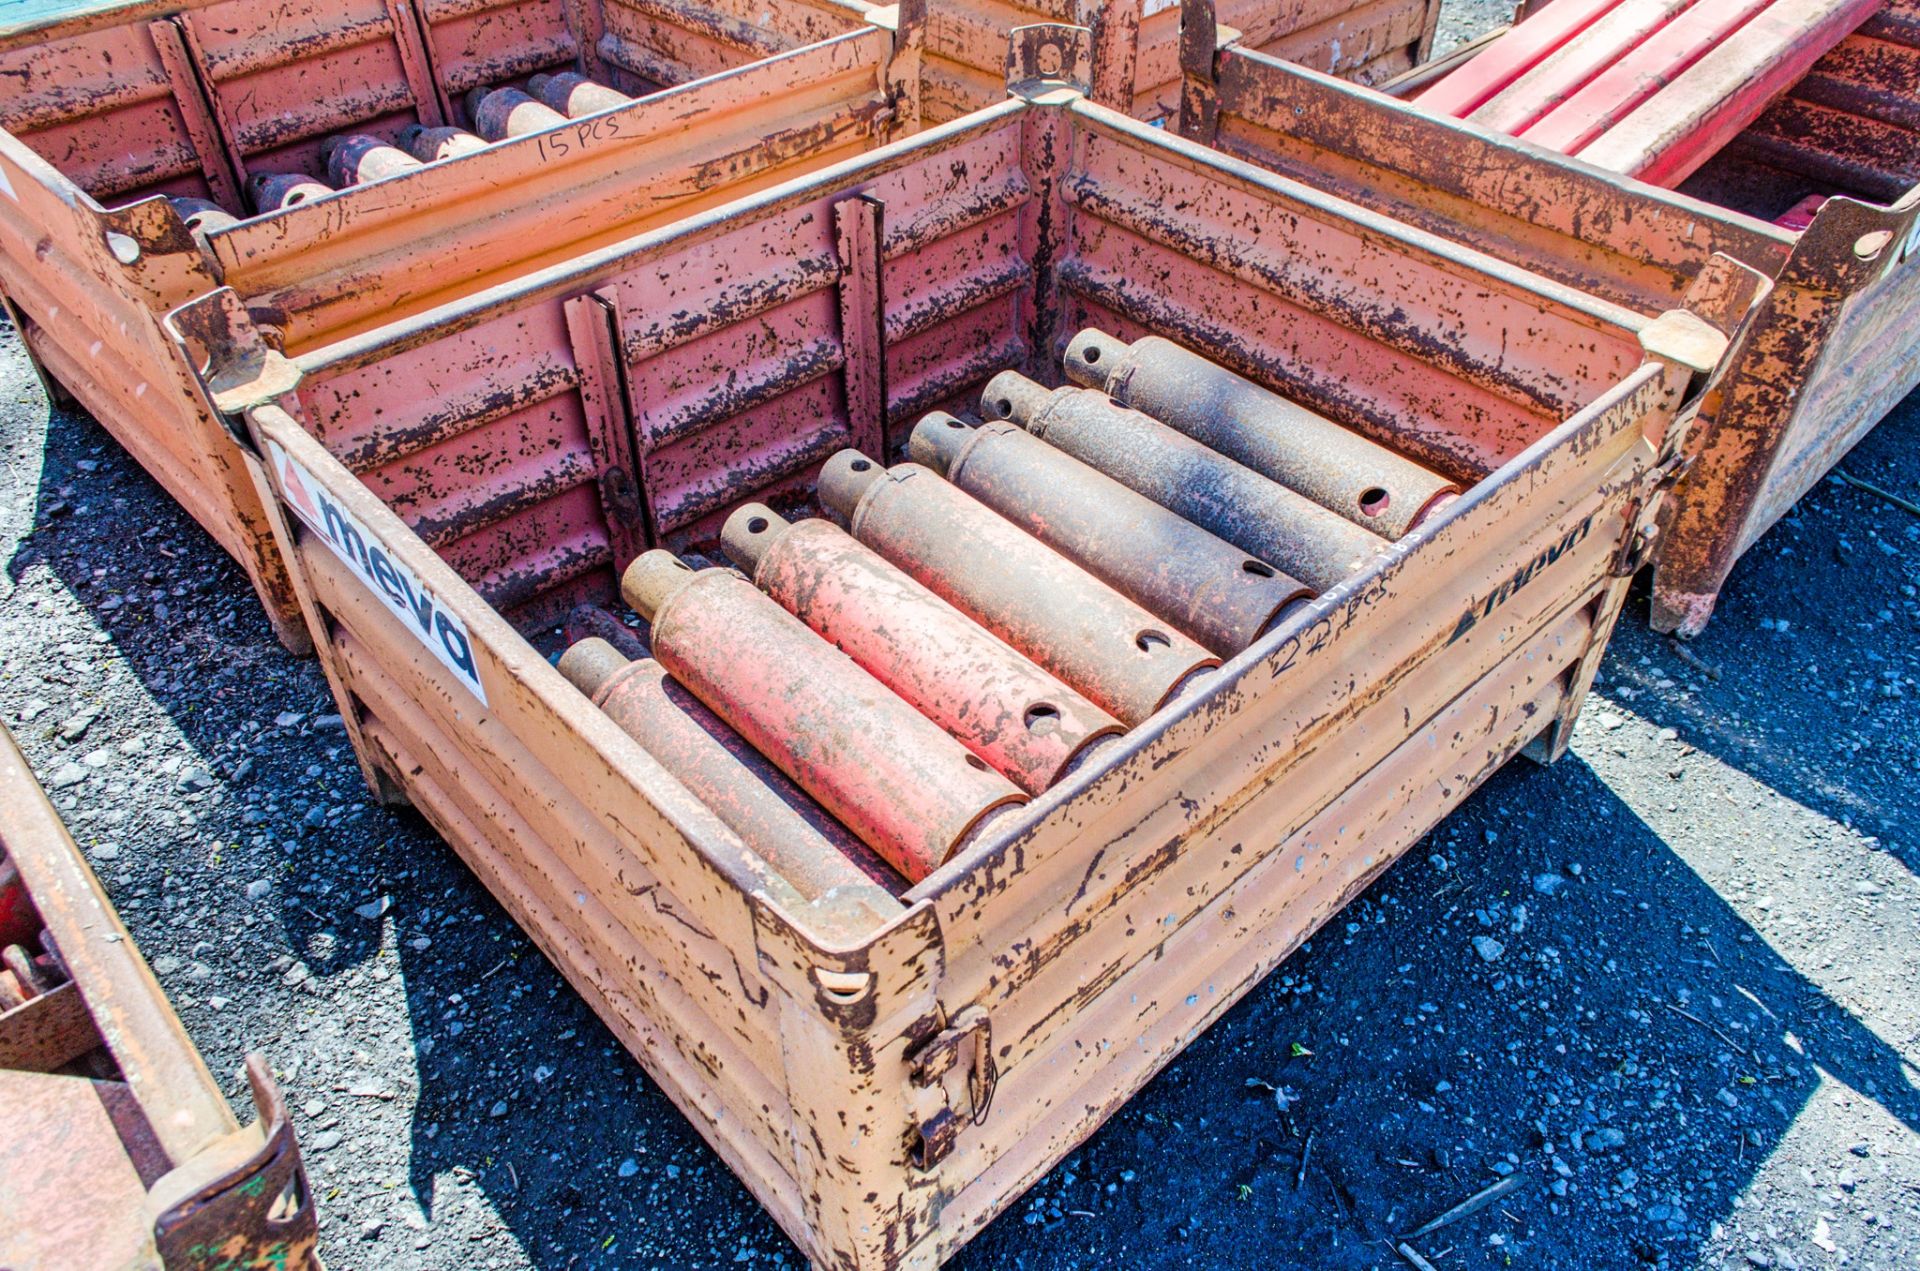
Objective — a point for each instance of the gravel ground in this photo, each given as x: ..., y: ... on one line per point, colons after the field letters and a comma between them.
x: 1669, y: 984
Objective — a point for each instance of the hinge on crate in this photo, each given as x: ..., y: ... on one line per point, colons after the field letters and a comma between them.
x: 968, y: 1037
x: 1636, y: 544
x: 235, y: 364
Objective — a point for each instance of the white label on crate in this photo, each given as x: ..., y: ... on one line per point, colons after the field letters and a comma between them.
x: 417, y: 608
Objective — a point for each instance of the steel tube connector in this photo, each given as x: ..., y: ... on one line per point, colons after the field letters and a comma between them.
x: 358, y: 159
x: 1229, y: 499
x: 1199, y: 582
x: 908, y: 790
x: 1336, y: 467
x: 1026, y: 724
x: 574, y: 95
x: 508, y: 112
x: 272, y: 191
x: 430, y: 145
x: 1118, y: 655
x: 775, y: 819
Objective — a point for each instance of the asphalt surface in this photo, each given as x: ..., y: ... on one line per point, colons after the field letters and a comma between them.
x: 1669, y: 985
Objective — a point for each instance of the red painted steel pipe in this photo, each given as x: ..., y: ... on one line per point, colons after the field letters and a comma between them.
x: 1118, y: 655
x: 909, y: 791
x: 1336, y: 467
x: 574, y: 95
x: 1199, y: 582
x: 772, y: 816
x: 1027, y: 725
x: 1512, y: 55
x: 508, y: 112
x: 1259, y: 516
x: 273, y: 191
x: 1570, y: 67
x: 1615, y: 92
x: 430, y: 145
x: 358, y: 159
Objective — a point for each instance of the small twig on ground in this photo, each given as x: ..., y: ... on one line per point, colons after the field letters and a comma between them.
x: 1306, y: 1154
x: 1757, y: 1002
x: 1694, y: 660
x: 514, y: 1175
x: 1710, y: 1028
x: 496, y: 966
x: 1712, y: 952
x: 1406, y: 1251
x: 1472, y: 1204
x: 1905, y: 505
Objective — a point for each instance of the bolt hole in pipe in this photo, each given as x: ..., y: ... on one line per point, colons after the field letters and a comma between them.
x: 975, y: 761
x: 1152, y: 641
x: 1042, y: 717
x: 1006, y: 408
x: 757, y: 525
x: 1259, y: 569
x: 861, y: 465
x: 1373, y: 500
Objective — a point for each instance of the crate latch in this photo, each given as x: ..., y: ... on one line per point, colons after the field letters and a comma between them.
x: 1642, y: 532
x: 968, y: 1039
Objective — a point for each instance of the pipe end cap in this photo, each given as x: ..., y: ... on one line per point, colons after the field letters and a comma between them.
x: 845, y: 479
x: 750, y: 533
x: 653, y: 579
x: 1092, y: 357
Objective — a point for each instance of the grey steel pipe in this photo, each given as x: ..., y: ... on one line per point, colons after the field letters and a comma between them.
x: 1336, y: 467
x: 1091, y: 637
x: 508, y: 112
x: 1197, y: 581
x: 430, y: 145
x: 358, y: 159
x: 202, y: 217
x: 274, y: 190
x: 1259, y: 516
x: 574, y: 95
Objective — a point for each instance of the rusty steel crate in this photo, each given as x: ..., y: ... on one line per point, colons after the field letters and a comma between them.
x: 119, y: 1149
x: 887, y: 1084
x: 1136, y: 44
x: 1835, y: 344
x: 107, y: 111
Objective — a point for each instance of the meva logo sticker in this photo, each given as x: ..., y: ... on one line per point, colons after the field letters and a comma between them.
x: 1521, y: 577
x: 418, y: 609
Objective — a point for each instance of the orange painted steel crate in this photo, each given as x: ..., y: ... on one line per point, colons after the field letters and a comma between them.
x: 120, y: 1150
x: 1833, y: 347
x: 887, y: 1082
x: 107, y: 112
x: 1136, y: 61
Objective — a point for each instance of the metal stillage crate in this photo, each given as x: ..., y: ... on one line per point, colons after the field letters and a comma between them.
x: 105, y: 1096
x: 1136, y: 44
x: 1834, y: 346
x: 136, y: 142
x: 886, y: 1084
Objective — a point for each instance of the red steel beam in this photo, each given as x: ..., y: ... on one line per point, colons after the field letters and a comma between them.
x: 1610, y: 96
x: 1512, y: 56
x: 1686, y: 123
